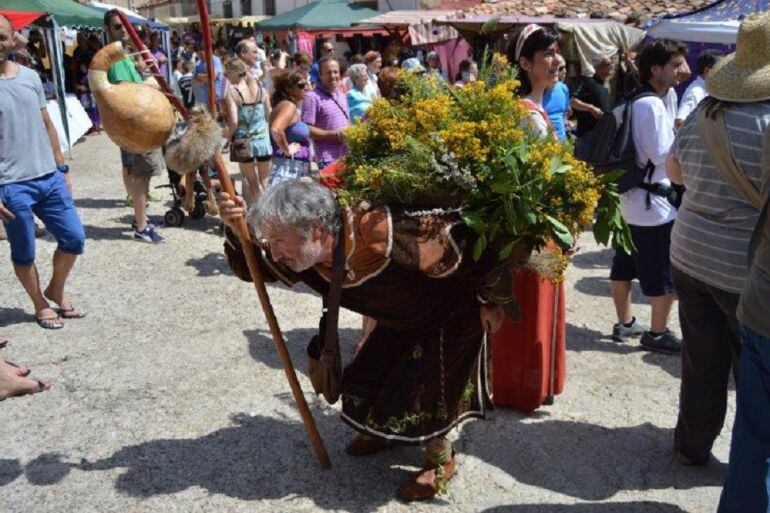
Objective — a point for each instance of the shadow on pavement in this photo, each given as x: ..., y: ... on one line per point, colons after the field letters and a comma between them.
x: 9, y: 471
x: 213, y: 264
x: 47, y: 469
x: 600, y: 286
x: 606, y: 507
x: 99, y: 203
x: 586, y: 461
x: 600, y: 259
x: 581, y: 338
x: 10, y: 316
x: 259, y: 458
x: 262, y: 348
x: 102, y: 233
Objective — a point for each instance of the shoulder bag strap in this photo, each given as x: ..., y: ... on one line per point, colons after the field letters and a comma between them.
x: 254, y: 106
x: 331, y: 340
x: 717, y: 143
x: 336, y: 103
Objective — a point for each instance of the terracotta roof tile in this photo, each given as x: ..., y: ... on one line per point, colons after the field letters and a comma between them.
x: 614, y: 9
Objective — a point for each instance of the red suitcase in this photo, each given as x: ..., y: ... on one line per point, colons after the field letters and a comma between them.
x: 528, y: 357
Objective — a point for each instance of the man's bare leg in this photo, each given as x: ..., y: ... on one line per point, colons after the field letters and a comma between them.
x: 62, y: 265
x: 621, y: 297
x: 140, y: 185
x: 661, y: 309
x: 30, y: 280
x: 127, y: 180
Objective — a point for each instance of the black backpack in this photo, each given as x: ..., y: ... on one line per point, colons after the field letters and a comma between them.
x: 611, y: 145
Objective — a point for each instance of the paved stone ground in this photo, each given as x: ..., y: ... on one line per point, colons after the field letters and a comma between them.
x: 170, y: 396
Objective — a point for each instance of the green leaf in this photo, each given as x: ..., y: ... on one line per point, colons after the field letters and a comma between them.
x: 505, y: 251
x: 474, y: 220
x: 561, y: 232
x: 490, y: 25
x: 612, y: 176
x: 601, y: 230
x: 479, y: 247
x: 557, y: 168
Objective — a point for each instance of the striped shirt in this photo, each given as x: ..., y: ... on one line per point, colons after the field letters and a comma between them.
x: 329, y: 113
x: 711, y: 235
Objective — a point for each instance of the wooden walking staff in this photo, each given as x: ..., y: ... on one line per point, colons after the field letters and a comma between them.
x: 251, y: 259
x: 150, y: 62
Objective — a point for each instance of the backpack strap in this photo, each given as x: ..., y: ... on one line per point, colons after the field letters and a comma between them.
x: 645, y: 91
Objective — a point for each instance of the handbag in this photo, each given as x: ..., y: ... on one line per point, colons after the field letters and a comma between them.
x: 240, y: 147
x: 324, y: 359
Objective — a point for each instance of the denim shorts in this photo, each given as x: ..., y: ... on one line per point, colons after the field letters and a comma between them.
x: 284, y: 170
x: 650, y: 263
x: 48, y: 198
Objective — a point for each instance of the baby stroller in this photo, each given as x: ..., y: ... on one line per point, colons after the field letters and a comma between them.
x: 175, y: 215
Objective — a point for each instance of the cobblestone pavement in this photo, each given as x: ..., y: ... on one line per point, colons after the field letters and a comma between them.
x: 170, y: 395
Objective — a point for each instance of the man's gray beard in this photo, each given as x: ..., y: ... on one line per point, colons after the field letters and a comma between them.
x: 307, y: 258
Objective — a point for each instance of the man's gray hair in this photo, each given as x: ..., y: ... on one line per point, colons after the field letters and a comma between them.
x: 599, y: 60
x: 358, y: 70
x: 298, y: 205
x: 243, y: 45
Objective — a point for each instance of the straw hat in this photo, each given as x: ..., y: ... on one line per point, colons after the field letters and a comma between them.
x: 744, y: 76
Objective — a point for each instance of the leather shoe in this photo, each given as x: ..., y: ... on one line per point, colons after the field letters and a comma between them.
x: 363, y: 445
x: 412, y: 490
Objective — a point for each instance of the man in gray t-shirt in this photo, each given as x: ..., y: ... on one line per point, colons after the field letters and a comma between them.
x: 32, y: 183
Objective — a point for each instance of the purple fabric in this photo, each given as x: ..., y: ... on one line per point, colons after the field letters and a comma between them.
x: 329, y: 113
x: 157, y: 54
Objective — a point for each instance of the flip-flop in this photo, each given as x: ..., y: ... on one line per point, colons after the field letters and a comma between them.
x: 63, y: 312
x: 23, y: 375
x: 49, y: 323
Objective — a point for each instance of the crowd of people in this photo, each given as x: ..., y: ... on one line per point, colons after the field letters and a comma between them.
x: 285, y: 118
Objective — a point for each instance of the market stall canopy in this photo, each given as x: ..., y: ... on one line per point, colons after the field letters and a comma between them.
x: 180, y: 20
x: 133, y: 17
x: 67, y: 13
x: 715, y: 23
x: 319, y: 15
x: 419, y: 24
x: 243, y: 21
x: 20, y: 19
x: 592, y: 37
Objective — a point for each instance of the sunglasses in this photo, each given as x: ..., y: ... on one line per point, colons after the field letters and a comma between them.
x: 117, y: 26
x: 301, y: 85
x: 562, y: 68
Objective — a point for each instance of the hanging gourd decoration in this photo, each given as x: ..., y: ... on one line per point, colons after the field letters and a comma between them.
x: 137, y: 117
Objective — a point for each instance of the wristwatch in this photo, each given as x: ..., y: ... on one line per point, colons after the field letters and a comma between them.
x: 64, y: 168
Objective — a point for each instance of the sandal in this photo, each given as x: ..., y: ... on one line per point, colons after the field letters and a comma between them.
x: 72, y: 312
x: 49, y: 323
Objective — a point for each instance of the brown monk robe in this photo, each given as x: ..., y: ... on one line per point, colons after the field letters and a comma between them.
x: 422, y: 369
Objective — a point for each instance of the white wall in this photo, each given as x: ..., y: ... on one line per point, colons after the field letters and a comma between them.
x: 282, y: 6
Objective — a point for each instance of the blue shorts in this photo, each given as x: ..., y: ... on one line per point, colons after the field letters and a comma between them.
x: 48, y: 198
x: 650, y: 263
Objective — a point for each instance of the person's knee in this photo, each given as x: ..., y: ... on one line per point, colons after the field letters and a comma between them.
x: 73, y: 243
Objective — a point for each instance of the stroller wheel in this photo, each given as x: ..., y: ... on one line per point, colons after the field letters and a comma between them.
x: 199, y: 210
x: 174, y: 217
